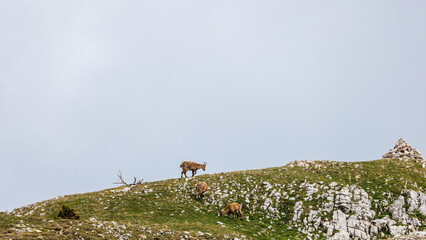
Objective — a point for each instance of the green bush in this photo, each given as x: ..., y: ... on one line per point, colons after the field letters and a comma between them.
x: 68, y: 213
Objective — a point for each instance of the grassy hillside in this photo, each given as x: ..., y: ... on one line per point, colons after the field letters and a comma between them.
x: 168, y: 209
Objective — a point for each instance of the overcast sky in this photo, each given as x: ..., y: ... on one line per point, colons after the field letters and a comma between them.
x: 91, y: 87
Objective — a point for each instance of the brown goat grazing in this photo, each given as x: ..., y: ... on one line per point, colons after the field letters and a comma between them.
x: 232, y: 208
x: 191, y: 166
x: 201, y: 187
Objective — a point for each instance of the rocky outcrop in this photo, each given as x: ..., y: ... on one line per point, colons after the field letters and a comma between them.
x: 358, y: 222
x: 403, y: 150
x: 351, y: 211
x: 352, y: 214
x: 416, y: 202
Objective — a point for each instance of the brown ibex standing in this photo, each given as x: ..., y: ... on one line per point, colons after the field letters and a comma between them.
x: 201, y: 187
x: 191, y: 166
x: 232, y: 208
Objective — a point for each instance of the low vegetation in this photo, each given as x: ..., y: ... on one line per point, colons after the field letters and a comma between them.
x: 68, y: 213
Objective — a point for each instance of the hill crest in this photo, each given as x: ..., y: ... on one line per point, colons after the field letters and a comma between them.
x: 303, y: 199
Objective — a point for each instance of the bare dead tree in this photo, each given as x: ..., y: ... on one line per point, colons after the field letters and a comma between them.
x: 135, y: 180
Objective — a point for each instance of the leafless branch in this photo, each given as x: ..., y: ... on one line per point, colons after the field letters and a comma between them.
x: 135, y: 180
x: 120, y: 176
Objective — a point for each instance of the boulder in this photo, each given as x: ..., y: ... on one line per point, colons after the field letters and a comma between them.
x: 339, y: 221
x: 398, y: 211
x: 298, y: 210
x: 341, y: 236
x: 343, y: 200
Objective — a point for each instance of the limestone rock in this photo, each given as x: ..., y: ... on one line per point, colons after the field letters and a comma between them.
x: 339, y: 221
x: 298, y: 210
x: 397, y: 230
x: 398, y: 211
x: 412, y: 201
x: 422, y: 203
x: 341, y: 236
x: 343, y: 200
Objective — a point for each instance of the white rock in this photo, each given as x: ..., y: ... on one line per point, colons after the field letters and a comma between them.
x: 397, y: 230
x: 268, y: 202
x: 343, y: 200
x: 267, y: 185
x: 339, y: 221
x: 422, y: 209
x: 374, y: 230
x: 412, y: 201
x: 298, y: 210
x: 398, y: 211
x: 125, y: 189
x: 341, y: 236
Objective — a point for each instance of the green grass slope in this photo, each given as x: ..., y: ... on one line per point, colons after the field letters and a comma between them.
x: 168, y: 209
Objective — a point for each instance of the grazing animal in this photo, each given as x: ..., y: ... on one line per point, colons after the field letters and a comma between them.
x: 191, y: 166
x: 232, y: 208
x: 201, y: 187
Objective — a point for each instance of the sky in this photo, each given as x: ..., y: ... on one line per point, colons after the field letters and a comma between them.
x: 88, y: 88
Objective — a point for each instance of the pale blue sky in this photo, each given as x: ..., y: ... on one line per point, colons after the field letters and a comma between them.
x: 90, y: 87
